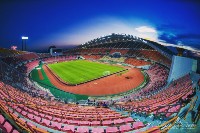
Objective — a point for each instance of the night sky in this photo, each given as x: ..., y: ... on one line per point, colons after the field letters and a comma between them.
x: 66, y: 23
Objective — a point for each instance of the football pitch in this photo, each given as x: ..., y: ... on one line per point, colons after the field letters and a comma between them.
x: 79, y: 71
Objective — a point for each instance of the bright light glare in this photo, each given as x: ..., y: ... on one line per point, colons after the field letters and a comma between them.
x: 24, y: 37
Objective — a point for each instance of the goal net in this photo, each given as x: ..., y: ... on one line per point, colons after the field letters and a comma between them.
x: 106, y: 73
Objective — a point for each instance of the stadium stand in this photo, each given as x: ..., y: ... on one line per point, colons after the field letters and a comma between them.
x: 7, y: 52
x: 107, y: 58
x: 92, y: 57
x: 136, y: 62
x: 166, y: 102
x: 155, y: 106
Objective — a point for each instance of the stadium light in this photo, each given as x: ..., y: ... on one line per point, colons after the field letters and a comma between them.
x: 24, y: 38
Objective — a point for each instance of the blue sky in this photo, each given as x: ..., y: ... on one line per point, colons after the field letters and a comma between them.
x: 66, y: 23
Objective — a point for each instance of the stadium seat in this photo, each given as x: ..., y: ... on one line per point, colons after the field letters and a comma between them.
x: 8, y: 127
x: 125, y: 128
x: 97, y: 130
x: 128, y: 120
x: 107, y: 123
x: 57, y: 119
x: 95, y: 123
x: 56, y: 125
x: 112, y: 130
x: 48, y: 117
x: 68, y: 128
x: 24, y: 113
x: 30, y: 116
x: 37, y: 119
x: 2, y: 120
x: 73, y: 122
x: 82, y: 130
x: 84, y: 123
x: 118, y: 121
x: 15, y: 131
x: 137, y: 125
x: 46, y: 122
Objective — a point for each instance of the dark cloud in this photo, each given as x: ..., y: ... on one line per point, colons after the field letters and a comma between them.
x: 175, y: 34
x: 192, y: 40
x: 167, y: 37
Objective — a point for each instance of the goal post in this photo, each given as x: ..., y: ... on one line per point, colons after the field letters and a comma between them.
x: 106, y: 73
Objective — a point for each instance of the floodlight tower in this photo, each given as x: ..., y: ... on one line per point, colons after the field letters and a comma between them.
x: 24, y: 38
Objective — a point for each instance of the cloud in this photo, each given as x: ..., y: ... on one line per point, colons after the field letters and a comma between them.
x: 189, y: 40
x: 144, y: 29
x: 179, y: 46
x: 167, y: 37
x: 176, y: 36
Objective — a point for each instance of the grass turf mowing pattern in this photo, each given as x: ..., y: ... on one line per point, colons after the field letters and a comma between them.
x: 55, y: 91
x: 78, y: 71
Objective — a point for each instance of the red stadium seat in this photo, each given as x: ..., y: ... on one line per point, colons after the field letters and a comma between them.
x: 125, y: 128
x: 95, y: 123
x: 112, y: 130
x: 82, y: 130
x: 107, y: 123
x: 68, y: 128
x: 8, y: 127
x: 128, y: 120
x: 2, y: 120
x: 56, y: 125
x: 137, y: 125
x: 97, y: 130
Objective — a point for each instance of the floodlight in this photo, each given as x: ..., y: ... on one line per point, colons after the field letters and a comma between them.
x: 24, y: 37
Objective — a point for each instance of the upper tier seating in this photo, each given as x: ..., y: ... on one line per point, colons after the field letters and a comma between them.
x: 89, y: 51
x: 16, y: 60
x: 43, y: 55
x: 8, y: 52
x: 150, y: 54
x: 122, y: 51
x: 107, y: 58
x: 136, y: 62
x: 94, y: 57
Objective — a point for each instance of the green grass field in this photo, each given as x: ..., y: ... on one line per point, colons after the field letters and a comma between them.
x: 46, y: 83
x: 78, y: 71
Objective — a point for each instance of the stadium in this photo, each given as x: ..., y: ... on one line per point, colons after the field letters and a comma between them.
x: 115, y: 83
